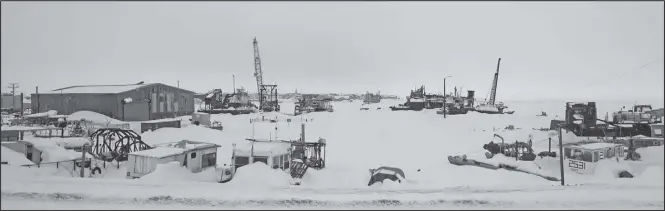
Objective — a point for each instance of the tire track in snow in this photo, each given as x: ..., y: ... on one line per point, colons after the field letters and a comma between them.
x: 304, y: 203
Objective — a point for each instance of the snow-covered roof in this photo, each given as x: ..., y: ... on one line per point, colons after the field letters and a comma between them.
x: 159, y: 152
x: 13, y: 158
x: 597, y: 145
x: 174, y: 148
x: 24, y: 128
x: 188, y: 145
x: 263, y: 148
x: 161, y: 120
x: 110, y: 89
x: 42, y: 114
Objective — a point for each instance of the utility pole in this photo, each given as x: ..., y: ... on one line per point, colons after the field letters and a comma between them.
x: 178, y: 84
x: 445, y: 99
x: 234, y: 83
x: 13, y: 86
x: 83, y: 150
x: 36, y: 95
x: 561, y: 155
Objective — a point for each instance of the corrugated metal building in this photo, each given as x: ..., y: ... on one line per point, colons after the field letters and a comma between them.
x: 148, y: 101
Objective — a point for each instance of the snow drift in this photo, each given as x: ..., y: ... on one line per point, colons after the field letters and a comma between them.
x: 174, y: 171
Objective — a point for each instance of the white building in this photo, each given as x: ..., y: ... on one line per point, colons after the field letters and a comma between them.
x: 275, y: 154
x: 194, y: 155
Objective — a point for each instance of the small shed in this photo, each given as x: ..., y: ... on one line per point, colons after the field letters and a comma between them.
x: 201, y: 118
x: 276, y: 154
x: 26, y: 148
x: 194, y: 155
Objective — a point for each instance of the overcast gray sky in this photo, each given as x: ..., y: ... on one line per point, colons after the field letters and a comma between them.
x: 555, y: 50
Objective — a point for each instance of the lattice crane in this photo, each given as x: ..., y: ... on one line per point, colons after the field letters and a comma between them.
x: 267, y: 93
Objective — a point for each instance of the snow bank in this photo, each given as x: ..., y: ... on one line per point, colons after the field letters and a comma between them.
x: 14, y: 158
x: 652, y: 154
x: 72, y: 142
x: 610, y: 169
x: 53, y: 148
x: 169, y: 135
x: 652, y: 175
x: 174, y: 171
x: 94, y: 117
x: 260, y: 175
x: 42, y: 114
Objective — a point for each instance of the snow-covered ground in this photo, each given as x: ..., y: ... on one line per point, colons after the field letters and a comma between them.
x: 357, y: 141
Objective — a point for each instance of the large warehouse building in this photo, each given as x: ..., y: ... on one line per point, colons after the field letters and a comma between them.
x: 133, y: 102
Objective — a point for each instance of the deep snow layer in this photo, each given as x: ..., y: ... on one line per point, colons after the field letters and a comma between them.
x: 360, y: 140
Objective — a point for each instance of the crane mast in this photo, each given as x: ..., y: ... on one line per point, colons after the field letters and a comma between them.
x: 258, y: 73
x: 267, y: 93
x: 494, y: 84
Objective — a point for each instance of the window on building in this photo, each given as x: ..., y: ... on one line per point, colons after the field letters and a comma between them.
x: 275, y: 162
x: 169, y: 98
x: 241, y: 161
x: 596, y: 156
x: 287, y: 159
x: 261, y: 159
x: 209, y: 159
x: 154, y: 102
x: 566, y: 152
x: 609, y: 153
x: 193, y: 155
x: 587, y: 156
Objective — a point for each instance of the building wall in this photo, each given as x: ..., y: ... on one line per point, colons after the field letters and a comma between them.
x: 136, y: 111
x: 196, y: 164
x: 139, y: 166
x: 7, y: 102
x: 68, y: 103
x: 165, y: 101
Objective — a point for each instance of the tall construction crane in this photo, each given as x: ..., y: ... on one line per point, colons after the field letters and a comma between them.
x: 494, y: 84
x: 267, y: 93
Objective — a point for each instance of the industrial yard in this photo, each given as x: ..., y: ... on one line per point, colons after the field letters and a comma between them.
x: 288, y: 108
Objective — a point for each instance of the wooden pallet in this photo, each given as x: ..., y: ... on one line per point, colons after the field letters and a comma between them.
x: 298, y: 169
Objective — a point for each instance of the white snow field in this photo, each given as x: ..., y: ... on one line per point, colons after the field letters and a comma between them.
x: 357, y: 141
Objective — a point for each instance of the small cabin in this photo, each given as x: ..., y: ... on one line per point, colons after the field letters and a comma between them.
x: 583, y: 158
x: 275, y: 154
x: 28, y: 149
x: 195, y: 156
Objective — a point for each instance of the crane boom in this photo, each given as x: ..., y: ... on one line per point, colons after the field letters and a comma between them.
x: 258, y: 73
x: 494, y: 84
